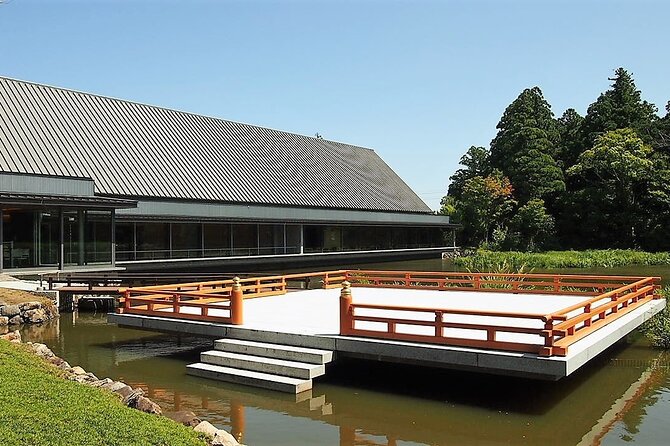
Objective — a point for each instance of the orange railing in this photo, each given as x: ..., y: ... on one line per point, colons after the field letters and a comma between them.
x: 211, y: 301
x: 545, y: 334
x: 606, y: 299
x: 497, y: 282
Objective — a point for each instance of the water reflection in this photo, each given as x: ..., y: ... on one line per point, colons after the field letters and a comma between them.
x: 369, y: 403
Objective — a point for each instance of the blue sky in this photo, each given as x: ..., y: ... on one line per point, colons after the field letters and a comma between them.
x: 418, y: 81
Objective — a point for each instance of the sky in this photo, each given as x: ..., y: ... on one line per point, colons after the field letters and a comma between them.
x: 417, y: 81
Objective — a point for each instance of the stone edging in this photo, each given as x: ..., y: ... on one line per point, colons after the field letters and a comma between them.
x: 26, y: 313
x: 133, y: 398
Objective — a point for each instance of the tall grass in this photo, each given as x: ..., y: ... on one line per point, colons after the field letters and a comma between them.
x: 657, y: 329
x: 483, y: 260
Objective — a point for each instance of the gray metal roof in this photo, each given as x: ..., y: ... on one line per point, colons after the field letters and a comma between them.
x: 135, y: 150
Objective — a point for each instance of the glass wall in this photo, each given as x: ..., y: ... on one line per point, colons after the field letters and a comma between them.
x: 271, y: 239
x: 161, y: 240
x: 97, y: 237
x: 186, y: 240
x: 32, y: 238
x: 125, y: 240
x: 19, y: 247
x: 370, y: 238
x: 217, y: 240
x: 153, y: 240
x: 245, y: 239
x: 293, y: 239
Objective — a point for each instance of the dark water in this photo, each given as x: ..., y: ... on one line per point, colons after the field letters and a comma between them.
x: 621, y: 397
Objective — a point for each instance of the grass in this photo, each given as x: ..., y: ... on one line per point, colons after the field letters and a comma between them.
x: 11, y: 297
x: 657, y: 329
x: 39, y: 407
x: 483, y: 260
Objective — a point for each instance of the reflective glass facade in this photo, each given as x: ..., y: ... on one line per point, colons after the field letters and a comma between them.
x: 162, y: 240
x: 32, y: 238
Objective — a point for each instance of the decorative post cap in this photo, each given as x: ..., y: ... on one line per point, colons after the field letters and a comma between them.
x: 236, y: 283
x: 346, y: 287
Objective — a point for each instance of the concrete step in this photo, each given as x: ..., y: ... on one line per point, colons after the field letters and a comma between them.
x: 262, y: 364
x: 249, y: 378
x: 278, y: 351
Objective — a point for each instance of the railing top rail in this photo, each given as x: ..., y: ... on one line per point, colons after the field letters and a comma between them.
x: 606, y: 295
x: 493, y: 274
x: 542, y: 317
x: 167, y: 287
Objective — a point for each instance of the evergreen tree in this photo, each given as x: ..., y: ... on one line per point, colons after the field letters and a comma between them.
x: 619, y: 107
x: 476, y: 162
x: 525, y: 146
x: 661, y: 132
x: 569, y: 130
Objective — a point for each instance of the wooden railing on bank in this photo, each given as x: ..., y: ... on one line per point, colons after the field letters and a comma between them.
x: 606, y: 298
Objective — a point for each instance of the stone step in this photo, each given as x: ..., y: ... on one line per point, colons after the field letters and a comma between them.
x: 262, y: 364
x: 249, y: 378
x: 278, y: 351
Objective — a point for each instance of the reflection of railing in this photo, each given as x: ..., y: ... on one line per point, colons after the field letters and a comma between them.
x: 553, y: 332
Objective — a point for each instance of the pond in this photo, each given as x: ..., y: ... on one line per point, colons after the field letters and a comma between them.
x: 623, y: 396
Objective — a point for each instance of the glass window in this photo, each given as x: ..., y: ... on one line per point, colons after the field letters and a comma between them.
x: 19, y: 243
x: 186, y: 240
x: 271, y: 239
x: 245, y: 239
x: 313, y: 238
x: 98, y: 237
x: 217, y: 240
x: 125, y: 240
x: 73, y: 237
x: 153, y: 240
x: 292, y: 239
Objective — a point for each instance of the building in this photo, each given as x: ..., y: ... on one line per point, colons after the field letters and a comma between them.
x: 90, y: 181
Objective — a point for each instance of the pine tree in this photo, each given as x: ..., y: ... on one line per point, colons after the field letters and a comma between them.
x: 619, y: 107
x: 525, y: 146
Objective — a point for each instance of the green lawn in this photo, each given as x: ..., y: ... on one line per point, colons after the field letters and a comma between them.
x: 38, y: 407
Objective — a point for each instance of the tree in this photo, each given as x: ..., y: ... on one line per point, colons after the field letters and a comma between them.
x: 609, y: 180
x: 476, y: 162
x: 525, y: 146
x: 532, y: 227
x: 619, y: 107
x: 484, y: 202
x: 569, y: 131
x: 661, y: 132
x: 534, y: 173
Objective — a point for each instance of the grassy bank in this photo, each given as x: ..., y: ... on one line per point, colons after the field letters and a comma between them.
x: 657, y: 329
x: 38, y: 407
x: 483, y: 260
x: 11, y: 297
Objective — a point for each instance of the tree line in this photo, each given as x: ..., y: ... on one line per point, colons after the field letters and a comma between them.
x: 596, y: 181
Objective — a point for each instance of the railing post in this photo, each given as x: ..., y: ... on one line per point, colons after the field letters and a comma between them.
x: 346, y: 316
x: 236, y: 303
x: 557, y: 284
x: 325, y: 281
x: 126, y: 301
